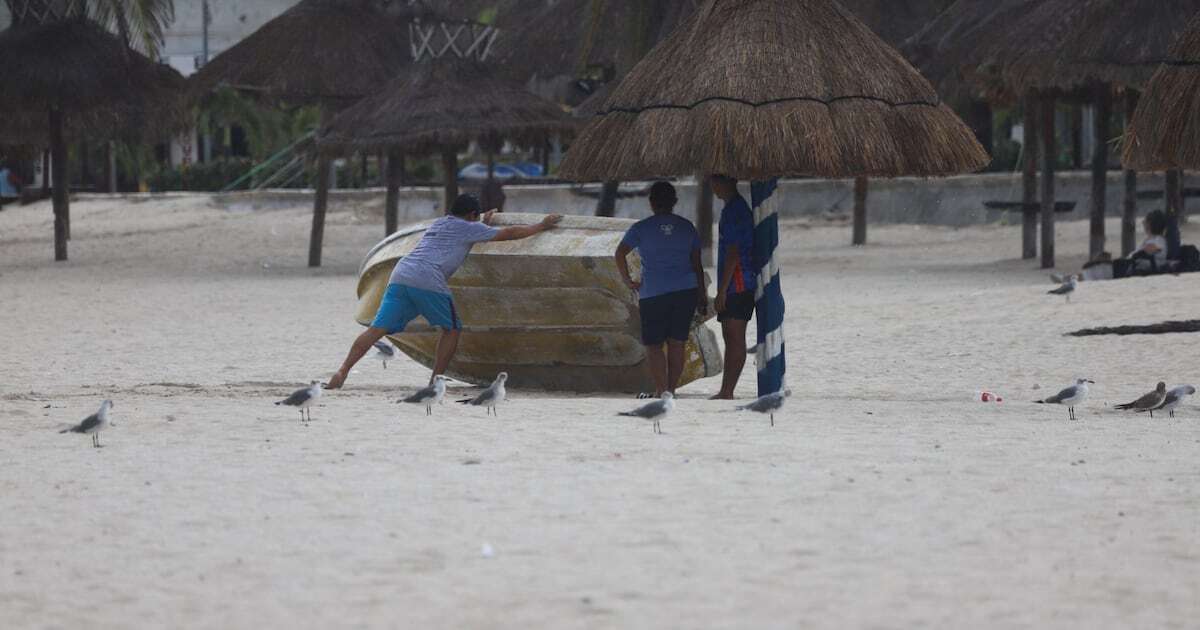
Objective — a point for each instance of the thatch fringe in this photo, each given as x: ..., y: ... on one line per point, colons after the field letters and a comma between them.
x: 1165, y: 133
x: 444, y: 104
x: 763, y: 88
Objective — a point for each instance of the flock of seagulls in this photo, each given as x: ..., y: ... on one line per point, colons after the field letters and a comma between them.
x: 1161, y: 399
x: 1158, y: 400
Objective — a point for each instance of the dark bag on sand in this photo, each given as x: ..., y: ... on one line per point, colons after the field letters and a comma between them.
x: 1189, y: 259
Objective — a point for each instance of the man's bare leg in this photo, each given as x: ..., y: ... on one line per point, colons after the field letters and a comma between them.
x: 674, y: 363
x: 656, y: 363
x: 734, y: 332
x: 446, y: 347
x: 361, y: 345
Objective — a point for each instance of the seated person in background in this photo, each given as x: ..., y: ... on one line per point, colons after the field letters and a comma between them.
x: 672, y: 287
x: 1150, y: 256
x: 10, y: 185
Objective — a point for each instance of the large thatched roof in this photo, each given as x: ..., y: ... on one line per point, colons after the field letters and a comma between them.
x: 319, y: 51
x: 440, y: 104
x: 86, y: 72
x: 562, y: 37
x: 949, y: 47
x: 1166, y: 128
x: 762, y: 88
x: 1007, y: 47
x: 1067, y: 44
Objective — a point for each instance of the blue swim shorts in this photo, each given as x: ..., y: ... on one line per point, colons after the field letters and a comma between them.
x: 401, y: 304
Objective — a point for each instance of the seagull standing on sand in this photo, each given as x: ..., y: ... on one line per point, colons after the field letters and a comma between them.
x: 654, y: 411
x: 492, y: 396
x: 1174, y: 398
x: 385, y: 352
x: 302, y: 399
x: 768, y: 404
x: 429, y: 396
x: 1066, y: 289
x: 1070, y: 396
x: 93, y: 424
x: 1148, y: 402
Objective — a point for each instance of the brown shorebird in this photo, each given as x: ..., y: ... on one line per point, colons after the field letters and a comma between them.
x: 1174, y: 398
x: 1148, y: 402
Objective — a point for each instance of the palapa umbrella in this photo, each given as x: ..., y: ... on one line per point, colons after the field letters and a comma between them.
x: 758, y: 89
x: 441, y: 105
x: 329, y: 53
x: 69, y: 74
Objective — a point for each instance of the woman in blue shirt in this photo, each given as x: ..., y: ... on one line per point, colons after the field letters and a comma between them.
x: 672, y: 287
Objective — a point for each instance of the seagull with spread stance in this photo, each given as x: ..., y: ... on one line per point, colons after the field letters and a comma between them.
x: 1148, y: 402
x: 1066, y: 289
x: 1174, y: 398
x: 302, y: 399
x: 384, y: 351
x: 490, y: 397
x: 428, y: 396
x: 93, y: 424
x: 1070, y: 396
x: 654, y: 411
x: 768, y: 404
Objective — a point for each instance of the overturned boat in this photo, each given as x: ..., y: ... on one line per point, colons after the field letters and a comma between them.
x: 550, y: 310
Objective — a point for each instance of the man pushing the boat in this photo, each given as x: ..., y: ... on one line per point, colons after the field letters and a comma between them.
x: 419, y: 284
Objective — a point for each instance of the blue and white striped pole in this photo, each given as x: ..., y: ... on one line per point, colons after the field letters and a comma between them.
x: 768, y: 295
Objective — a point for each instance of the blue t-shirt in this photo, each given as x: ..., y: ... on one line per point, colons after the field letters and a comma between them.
x: 737, y: 228
x: 440, y: 253
x: 6, y: 188
x: 665, y: 242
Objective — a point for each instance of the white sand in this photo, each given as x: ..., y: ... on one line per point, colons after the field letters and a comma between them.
x: 883, y: 498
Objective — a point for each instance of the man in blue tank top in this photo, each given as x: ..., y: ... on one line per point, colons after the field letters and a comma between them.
x: 736, y: 278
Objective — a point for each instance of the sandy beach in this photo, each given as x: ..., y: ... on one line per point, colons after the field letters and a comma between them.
x: 884, y: 497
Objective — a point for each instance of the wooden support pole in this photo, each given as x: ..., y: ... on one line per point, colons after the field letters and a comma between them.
x: 450, y: 166
x: 1029, y: 177
x: 1048, y: 154
x: 1129, y: 213
x: 1077, y: 136
x: 320, y: 205
x: 1173, y: 198
x: 1102, y: 100
x: 61, y: 202
x: 607, y: 205
x: 394, y: 178
x: 704, y: 217
x: 859, y: 236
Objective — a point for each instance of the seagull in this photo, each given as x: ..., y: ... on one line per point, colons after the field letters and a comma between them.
x: 303, y: 399
x: 385, y: 352
x: 429, y: 396
x: 1150, y: 401
x: 1066, y: 289
x: 768, y: 404
x: 93, y: 424
x: 1070, y: 396
x: 654, y: 411
x: 1174, y: 397
x: 492, y: 396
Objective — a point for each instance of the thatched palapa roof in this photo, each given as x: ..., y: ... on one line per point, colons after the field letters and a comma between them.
x: 77, y: 67
x: 1065, y: 45
x: 1165, y: 133
x: 444, y: 104
x: 319, y: 51
x: 762, y: 88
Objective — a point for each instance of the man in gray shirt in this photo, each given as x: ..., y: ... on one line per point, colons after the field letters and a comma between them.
x: 419, y: 284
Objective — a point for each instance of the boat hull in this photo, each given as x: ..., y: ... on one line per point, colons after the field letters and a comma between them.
x: 550, y: 310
